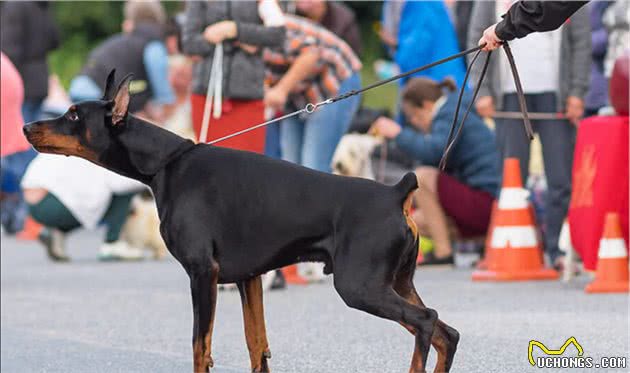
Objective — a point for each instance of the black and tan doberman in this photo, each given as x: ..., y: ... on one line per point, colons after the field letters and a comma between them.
x: 229, y: 216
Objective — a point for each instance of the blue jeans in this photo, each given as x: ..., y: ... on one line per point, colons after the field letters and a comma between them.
x: 310, y: 140
x: 14, y: 210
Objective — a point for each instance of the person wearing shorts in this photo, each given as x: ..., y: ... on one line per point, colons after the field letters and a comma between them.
x: 465, y: 191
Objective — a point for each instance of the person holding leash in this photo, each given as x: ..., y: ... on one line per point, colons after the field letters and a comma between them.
x: 227, y: 39
x: 555, y: 70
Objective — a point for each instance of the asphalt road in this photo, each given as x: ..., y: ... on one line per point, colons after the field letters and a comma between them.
x: 87, y: 316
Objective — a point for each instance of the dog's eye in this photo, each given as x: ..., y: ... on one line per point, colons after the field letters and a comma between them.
x: 73, y: 116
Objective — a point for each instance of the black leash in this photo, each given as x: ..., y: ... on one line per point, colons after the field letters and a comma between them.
x: 452, y: 136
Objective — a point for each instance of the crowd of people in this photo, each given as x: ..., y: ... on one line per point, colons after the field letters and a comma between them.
x: 221, y: 66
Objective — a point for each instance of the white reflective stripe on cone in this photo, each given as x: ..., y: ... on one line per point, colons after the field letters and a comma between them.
x: 513, y: 198
x: 517, y: 237
x: 612, y: 248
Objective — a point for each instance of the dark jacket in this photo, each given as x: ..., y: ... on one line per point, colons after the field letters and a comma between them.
x: 525, y: 17
x: 243, y: 73
x: 474, y: 157
x: 340, y: 19
x: 28, y: 32
x: 125, y: 53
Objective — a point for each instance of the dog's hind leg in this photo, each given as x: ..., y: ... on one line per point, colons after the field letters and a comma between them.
x: 371, y: 291
x: 254, y: 319
x: 203, y: 286
x: 444, y: 339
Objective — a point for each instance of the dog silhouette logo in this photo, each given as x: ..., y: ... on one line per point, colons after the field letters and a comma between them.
x: 547, y: 351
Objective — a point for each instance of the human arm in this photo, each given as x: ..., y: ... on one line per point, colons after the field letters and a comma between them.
x: 580, y: 43
x: 425, y: 147
x: 483, y: 14
x: 155, y: 60
x: 193, y: 40
x: 525, y: 17
x: 300, y: 69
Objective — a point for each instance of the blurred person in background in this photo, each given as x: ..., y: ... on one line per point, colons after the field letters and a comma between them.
x: 139, y: 50
x: 312, y: 66
x: 28, y: 32
x: 66, y: 193
x: 465, y: 191
x: 334, y: 16
x: 243, y: 28
x: 617, y: 21
x: 555, y: 70
x: 597, y: 95
x: 16, y: 152
x: 418, y: 33
x: 180, y: 78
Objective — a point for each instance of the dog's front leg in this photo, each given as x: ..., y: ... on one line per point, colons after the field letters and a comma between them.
x: 203, y: 286
x: 254, y: 320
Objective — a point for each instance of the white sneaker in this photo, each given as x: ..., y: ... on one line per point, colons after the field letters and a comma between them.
x: 119, y: 250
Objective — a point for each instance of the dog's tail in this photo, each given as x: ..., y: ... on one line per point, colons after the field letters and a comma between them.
x: 406, y: 185
x: 405, y: 188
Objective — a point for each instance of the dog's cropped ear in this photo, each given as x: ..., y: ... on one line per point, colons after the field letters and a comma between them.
x: 121, y: 101
x: 108, y: 94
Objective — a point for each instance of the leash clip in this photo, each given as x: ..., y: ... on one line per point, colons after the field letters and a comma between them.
x: 310, y: 108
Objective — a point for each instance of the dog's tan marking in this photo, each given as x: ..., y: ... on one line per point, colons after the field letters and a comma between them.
x: 47, y: 141
x: 254, y: 320
x: 407, y: 211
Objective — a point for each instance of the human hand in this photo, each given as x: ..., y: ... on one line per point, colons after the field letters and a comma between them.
x: 485, y: 107
x: 490, y: 38
x: 575, y: 109
x: 385, y: 127
x: 217, y: 32
x: 276, y: 98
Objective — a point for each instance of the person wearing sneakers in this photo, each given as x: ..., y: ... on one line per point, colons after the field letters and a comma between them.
x: 466, y: 191
x: 66, y: 193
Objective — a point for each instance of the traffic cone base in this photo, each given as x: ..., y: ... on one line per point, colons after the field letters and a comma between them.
x: 607, y: 287
x: 515, y: 265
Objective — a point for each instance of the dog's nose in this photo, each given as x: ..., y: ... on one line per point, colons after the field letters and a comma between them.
x: 26, y: 129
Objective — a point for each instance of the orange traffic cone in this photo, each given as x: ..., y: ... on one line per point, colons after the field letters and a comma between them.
x: 513, y: 252
x: 612, y: 263
x: 292, y: 276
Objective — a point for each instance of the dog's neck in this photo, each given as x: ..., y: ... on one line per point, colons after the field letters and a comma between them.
x: 140, y: 149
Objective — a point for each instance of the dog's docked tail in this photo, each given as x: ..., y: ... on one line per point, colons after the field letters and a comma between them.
x: 405, y: 187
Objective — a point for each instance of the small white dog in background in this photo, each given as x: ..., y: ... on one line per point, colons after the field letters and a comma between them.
x: 142, y: 228
x: 353, y: 153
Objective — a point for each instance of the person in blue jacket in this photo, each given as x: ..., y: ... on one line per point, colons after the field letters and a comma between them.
x: 466, y: 191
x: 421, y: 32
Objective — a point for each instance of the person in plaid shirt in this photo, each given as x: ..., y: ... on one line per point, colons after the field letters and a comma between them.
x: 312, y: 66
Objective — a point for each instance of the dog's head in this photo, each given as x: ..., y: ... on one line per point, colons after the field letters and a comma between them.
x: 352, y: 156
x: 87, y: 129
